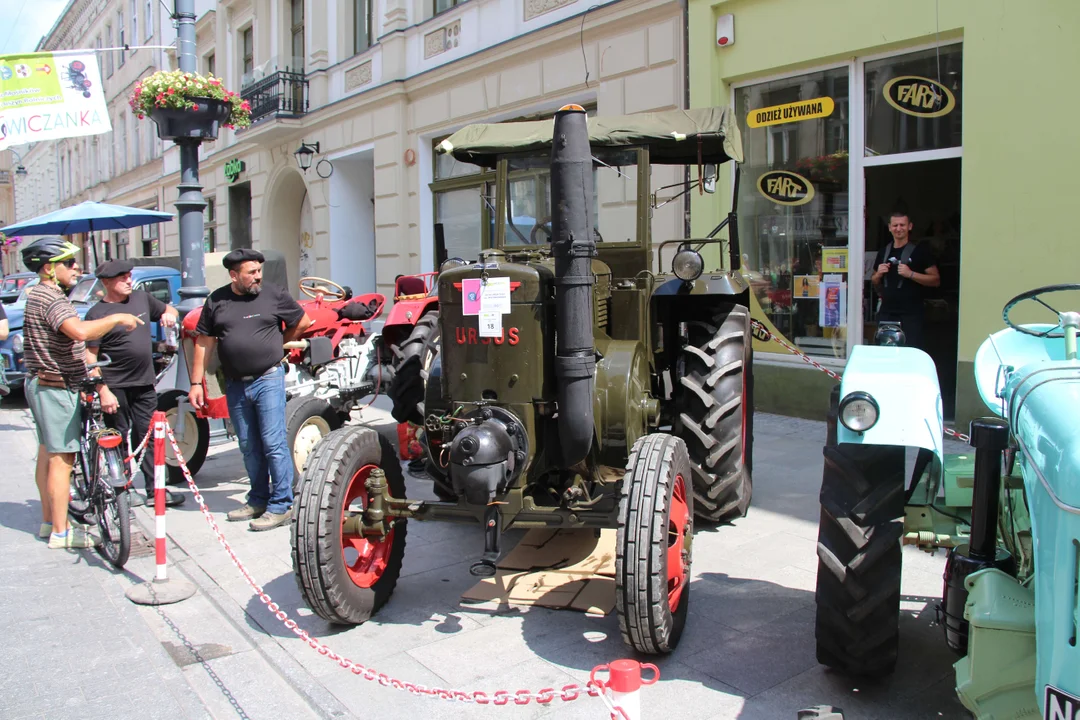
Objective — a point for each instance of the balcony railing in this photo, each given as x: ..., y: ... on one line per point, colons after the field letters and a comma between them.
x: 280, y: 94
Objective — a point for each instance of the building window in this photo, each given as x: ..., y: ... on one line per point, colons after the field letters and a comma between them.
x: 137, y: 146
x: 210, y: 62
x: 794, y: 239
x: 106, y: 247
x: 444, y: 5
x: 297, y: 63
x: 109, y: 52
x: 248, y: 44
x: 134, y: 22
x: 913, y: 102
x: 362, y: 25
x: 210, y: 226
x: 150, y: 246
x: 121, y: 240
x: 121, y: 145
x: 121, y: 37
x: 148, y: 19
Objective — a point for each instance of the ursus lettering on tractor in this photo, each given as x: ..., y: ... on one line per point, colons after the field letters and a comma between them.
x: 578, y: 385
x: 336, y: 363
x: 1010, y: 519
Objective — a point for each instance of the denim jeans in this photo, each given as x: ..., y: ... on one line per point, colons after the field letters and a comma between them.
x: 257, y: 411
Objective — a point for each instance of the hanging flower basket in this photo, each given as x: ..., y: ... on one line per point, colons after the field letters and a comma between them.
x: 188, y: 105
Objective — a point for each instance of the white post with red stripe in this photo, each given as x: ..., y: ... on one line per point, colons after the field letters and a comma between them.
x: 162, y: 590
x: 624, y: 684
x: 159, y: 494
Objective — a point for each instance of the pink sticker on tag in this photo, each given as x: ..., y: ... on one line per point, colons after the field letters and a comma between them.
x: 470, y: 296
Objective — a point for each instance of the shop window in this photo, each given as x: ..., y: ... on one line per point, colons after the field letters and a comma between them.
x: 793, y: 205
x: 914, y: 101
x: 464, y: 215
x: 121, y: 241
x: 150, y: 240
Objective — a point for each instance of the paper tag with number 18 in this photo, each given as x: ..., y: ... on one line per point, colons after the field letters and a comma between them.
x: 491, y: 324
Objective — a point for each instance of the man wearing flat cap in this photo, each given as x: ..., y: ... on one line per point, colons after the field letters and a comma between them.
x: 128, y: 397
x: 249, y: 322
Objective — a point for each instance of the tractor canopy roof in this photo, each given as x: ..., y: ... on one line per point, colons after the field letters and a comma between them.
x: 674, y: 137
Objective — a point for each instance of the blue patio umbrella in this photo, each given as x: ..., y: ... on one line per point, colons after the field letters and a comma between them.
x: 87, y: 217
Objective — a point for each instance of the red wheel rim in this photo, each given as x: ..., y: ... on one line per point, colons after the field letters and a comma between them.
x: 678, y: 566
x: 365, y: 559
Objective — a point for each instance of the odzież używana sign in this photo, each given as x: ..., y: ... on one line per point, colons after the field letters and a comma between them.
x: 791, y: 112
x: 233, y: 168
x: 46, y: 96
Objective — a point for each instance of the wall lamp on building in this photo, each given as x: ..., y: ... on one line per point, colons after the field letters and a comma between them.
x: 304, y: 154
x: 20, y: 169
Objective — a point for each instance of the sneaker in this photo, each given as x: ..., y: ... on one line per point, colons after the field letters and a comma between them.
x: 269, y: 521
x: 44, y: 531
x: 245, y: 512
x: 171, y: 499
x: 75, y: 537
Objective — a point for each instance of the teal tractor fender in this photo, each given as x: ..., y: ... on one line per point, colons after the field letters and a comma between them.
x: 903, y: 383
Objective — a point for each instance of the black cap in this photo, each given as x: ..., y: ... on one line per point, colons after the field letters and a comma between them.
x: 113, y: 268
x: 241, y: 255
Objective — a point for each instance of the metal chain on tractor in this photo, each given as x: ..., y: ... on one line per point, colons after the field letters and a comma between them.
x: 567, y: 693
x: 761, y: 332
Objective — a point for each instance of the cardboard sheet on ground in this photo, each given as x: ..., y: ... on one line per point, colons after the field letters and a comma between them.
x: 562, y: 569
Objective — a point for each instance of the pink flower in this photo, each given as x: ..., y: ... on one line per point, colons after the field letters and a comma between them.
x: 195, y: 106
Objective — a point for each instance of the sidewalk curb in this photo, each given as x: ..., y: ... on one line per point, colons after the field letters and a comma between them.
x: 317, y: 697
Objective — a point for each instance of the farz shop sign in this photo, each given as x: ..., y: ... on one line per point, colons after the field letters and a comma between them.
x: 47, y: 96
x: 919, y: 96
x: 784, y: 187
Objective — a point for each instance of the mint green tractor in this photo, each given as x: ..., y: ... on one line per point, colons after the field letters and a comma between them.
x: 1010, y: 519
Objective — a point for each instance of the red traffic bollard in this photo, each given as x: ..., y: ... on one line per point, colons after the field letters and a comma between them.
x: 625, y: 681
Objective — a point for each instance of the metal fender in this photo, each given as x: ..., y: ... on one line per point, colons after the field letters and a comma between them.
x: 903, y: 383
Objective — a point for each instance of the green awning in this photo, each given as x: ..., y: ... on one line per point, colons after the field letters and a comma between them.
x: 674, y: 137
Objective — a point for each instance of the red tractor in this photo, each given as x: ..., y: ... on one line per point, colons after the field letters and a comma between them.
x: 338, y: 362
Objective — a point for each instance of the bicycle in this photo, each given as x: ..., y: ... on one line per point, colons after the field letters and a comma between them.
x: 100, y: 479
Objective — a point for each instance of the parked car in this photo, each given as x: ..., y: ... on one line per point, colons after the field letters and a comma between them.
x: 161, y: 282
x: 12, y: 284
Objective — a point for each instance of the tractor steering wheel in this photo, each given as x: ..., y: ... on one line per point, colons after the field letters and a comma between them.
x: 312, y: 286
x: 1063, y: 319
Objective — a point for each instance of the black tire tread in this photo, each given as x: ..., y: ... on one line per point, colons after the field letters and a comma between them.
x: 316, y: 529
x: 646, y: 621
x: 859, y: 558
x: 412, y: 360
x: 712, y: 370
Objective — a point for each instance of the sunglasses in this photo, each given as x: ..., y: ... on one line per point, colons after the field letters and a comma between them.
x: 69, y: 263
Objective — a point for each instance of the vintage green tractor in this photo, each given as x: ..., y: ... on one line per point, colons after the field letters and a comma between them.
x: 1010, y: 518
x: 576, y: 386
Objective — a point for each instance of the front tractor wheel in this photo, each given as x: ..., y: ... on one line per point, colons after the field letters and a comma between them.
x: 713, y: 394
x: 654, y: 544
x: 193, y: 447
x: 308, y: 420
x: 859, y: 558
x: 345, y: 578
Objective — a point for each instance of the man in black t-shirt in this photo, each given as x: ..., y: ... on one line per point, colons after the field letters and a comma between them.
x: 249, y: 322
x: 128, y: 397
x: 901, y: 270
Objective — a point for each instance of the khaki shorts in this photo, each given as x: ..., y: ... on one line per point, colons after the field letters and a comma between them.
x: 56, y: 414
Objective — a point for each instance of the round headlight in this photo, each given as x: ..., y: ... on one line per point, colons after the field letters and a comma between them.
x: 17, y: 344
x: 687, y: 265
x: 858, y: 412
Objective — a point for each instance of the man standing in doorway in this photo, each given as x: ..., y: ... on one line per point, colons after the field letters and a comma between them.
x: 902, y: 269
x: 129, y: 398
x: 249, y: 323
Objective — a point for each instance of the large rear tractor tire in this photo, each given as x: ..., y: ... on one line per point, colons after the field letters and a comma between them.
x: 345, y: 579
x: 714, y: 397
x: 859, y: 558
x: 193, y: 447
x: 308, y: 420
x: 654, y: 544
x: 413, y: 365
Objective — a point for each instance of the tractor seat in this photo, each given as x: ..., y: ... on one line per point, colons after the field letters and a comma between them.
x: 409, y: 288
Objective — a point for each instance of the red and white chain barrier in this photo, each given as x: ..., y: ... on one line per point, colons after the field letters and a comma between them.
x: 593, y: 688
x: 763, y: 333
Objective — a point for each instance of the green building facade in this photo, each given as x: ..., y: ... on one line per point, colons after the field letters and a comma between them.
x: 956, y: 112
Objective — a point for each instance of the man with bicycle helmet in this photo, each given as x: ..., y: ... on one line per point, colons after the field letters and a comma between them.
x: 55, y: 350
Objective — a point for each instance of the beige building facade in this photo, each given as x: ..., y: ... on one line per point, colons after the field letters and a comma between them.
x: 371, y: 89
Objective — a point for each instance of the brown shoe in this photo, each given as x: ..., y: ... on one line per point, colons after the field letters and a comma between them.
x: 245, y: 512
x: 269, y: 521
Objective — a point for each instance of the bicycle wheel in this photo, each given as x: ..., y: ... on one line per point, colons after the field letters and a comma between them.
x: 113, y: 511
